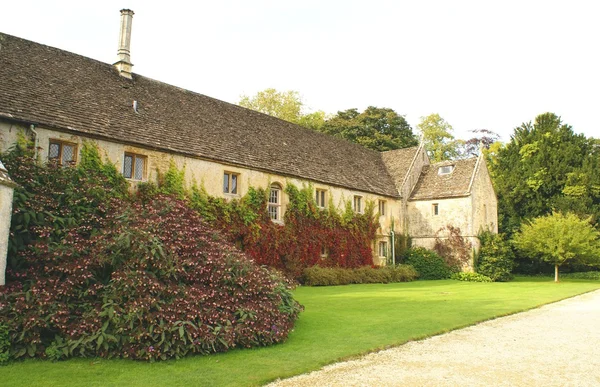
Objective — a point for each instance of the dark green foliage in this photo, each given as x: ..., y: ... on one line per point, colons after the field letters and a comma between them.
x: 546, y: 167
x: 380, y: 129
x: 4, y: 344
x: 328, y: 276
x: 586, y: 275
x: 155, y: 282
x: 470, y: 277
x: 495, y: 258
x: 427, y: 263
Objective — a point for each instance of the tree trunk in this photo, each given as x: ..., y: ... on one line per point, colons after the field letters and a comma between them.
x: 555, y: 273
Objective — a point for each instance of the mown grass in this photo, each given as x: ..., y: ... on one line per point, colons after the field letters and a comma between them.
x: 339, y: 323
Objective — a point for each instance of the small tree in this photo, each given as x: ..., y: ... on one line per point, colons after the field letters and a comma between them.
x: 558, y: 238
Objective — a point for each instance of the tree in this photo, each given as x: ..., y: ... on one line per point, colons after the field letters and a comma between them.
x: 545, y: 167
x: 438, y: 138
x: 559, y: 238
x: 481, y: 137
x: 376, y: 128
x: 286, y: 105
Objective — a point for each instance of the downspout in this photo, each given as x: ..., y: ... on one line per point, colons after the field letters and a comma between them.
x: 393, y: 235
x: 35, y: 142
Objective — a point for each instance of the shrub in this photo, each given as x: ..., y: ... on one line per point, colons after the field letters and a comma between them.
x: 470, y: 277
x: 4, y: 344
x: 154, y: 283
x: 328, y: 276
x: 586, y: 275
x: 495, y: 258
x: 454, y: 249
x: 427, y: 263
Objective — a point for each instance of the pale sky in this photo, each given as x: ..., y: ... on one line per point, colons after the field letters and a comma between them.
x: 479, y: 64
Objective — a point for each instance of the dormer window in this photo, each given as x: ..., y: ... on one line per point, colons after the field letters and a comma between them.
x: 445, y: 170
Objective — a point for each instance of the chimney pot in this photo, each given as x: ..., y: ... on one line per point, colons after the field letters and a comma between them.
x: 123, y: 63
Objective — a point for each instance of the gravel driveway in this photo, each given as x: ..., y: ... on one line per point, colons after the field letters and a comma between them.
x: 555, y: 345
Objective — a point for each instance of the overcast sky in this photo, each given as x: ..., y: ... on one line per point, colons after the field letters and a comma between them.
x: 479, y: 64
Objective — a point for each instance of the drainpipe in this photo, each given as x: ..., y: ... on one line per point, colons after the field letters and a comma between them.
x: 393, y: 236
x: 35, y: 142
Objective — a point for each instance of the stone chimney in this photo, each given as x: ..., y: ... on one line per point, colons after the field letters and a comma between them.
x: 124, y: 64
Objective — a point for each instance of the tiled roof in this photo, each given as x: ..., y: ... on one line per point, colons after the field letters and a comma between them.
x: 58, y: 89
x: 432, y: 185
x: 398, y: 163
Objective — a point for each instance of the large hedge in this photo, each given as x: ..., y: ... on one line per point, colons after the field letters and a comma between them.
x: 95, y: 273
x: 495, y: 258
x: 427, y: 263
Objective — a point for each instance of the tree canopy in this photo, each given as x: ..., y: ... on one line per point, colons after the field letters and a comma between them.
x: 558, y: 238
x: 376, y: 128
x: 545, y: 167
x: 438, y: 138
x: 286, y: 105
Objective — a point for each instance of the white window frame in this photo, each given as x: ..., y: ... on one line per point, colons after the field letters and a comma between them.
x: 274, y: 203
x: 324, y: 252
x: 229, y: 178
x: 321, y: 197
x: 61, y: 144
x: 134, y: 158
x: 446, y: 170
x: 357, y: 204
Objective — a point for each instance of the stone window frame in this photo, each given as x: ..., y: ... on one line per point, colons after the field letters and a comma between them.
x: 231, y: 183
x: 382, y: 207
x: 321, y: 198
x: 134, y: 166
x: 61, y: 144
x: 383, y: 248
x: 435, y: 209
x: 274, y: 202
x: 357, y: 204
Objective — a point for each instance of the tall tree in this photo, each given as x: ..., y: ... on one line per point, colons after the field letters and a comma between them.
x: 545, y: 167
x: 438, y: 138
x: 559, y: 238
x: 286, y: 105
x: 376, y: 128
x: 480, y: 137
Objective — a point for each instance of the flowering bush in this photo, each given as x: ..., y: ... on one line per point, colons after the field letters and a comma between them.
x: 94, y: 273
x: 154, y: 283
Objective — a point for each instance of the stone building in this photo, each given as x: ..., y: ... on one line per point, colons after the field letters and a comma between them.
x: 60, y: 99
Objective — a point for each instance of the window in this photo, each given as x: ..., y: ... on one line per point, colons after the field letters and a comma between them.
x: 63, y: 152
x: 320, y: 198
x: 382, y: 207
x: 445, y: 170
x: 383, y: 248
x: 275, y: 202
x: 324, y: 252
x: 358, y: 204
x: 230, y: 183
x: 134, y: 166
x: 435, y: 209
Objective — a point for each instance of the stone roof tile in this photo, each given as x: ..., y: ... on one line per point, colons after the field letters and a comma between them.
x: 432, y: 185
x: 68, y: 92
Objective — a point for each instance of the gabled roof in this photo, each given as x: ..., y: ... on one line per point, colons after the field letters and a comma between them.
x: 432, y: 185
x: 398, y: 163
x: 68, y: 92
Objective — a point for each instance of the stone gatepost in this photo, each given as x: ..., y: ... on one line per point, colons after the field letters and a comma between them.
x: 7, y: 187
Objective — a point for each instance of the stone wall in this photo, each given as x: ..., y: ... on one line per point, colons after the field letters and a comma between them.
x: 206, y: 173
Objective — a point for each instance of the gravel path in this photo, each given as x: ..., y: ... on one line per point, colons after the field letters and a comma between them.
x: 555, y: 345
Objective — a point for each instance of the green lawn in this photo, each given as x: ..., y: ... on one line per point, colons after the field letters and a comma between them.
x: 338, y: 323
